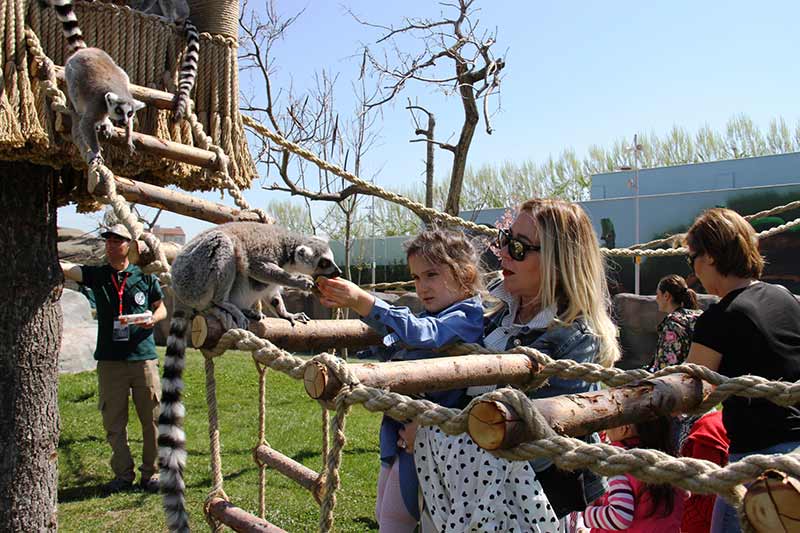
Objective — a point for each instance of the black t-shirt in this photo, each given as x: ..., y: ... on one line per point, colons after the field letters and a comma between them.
x: 757, y: 331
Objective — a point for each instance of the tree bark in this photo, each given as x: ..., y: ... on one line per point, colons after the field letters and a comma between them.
x: 412, y: 377
x: 471, y: 116
x: 30, y: 340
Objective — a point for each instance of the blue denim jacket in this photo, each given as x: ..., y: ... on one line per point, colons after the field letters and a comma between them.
x: 409, y: 337
x: 574, y: 341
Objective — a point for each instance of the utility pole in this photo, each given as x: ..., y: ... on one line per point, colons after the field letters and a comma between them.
x: 637, y: 259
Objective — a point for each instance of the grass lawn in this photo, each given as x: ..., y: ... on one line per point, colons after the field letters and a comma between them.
x: 293, y: 428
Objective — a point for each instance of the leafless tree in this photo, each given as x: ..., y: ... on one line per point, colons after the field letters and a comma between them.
x: 307, y: 120
x: 473, y: 73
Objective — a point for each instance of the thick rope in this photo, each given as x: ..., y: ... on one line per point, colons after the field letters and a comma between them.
x: 217, y: 490
x: 332, y: 480
x: 651, y: 467
x: 262, y: 440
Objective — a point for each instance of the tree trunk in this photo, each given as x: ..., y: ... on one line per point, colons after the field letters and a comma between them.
x: 464, y: 141
x: 30, y: 340
x: 429, y: 157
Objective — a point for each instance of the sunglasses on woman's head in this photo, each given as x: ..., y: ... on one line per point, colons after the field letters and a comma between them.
x: 516, y: 248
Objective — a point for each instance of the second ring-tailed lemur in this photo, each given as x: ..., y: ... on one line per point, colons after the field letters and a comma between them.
x: 177, y: 12
x: 227, y: 270
x: 97, y: 87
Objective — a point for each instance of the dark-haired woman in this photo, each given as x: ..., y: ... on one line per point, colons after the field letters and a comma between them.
x: 753, y: 329
x: 676, y: 299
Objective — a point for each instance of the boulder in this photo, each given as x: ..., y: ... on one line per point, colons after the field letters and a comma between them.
x: 638, y: 318
x: 79, y: 336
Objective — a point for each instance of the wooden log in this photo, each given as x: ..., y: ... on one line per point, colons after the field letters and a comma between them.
x: 301, y: 474
x: 140, y: 253
x: 151, y: 97
x: 167, y: 149
x: 238, y: 519
x: 411, y: 377
x: 178, y: 202
x: 495, y: 425
x: 314, y: 336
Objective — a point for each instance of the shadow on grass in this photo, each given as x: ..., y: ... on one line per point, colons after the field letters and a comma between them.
x: 368, y: 522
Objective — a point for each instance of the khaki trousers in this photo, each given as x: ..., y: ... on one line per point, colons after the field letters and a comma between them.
x: 117, y: 380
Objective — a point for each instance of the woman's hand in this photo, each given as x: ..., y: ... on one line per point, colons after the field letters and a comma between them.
x: 338, y: 292
x: 408, y: 435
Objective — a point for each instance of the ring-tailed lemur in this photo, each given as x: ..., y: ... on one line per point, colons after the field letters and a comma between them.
x: 227, y: 269
x: 97, y: 87
x: 177, y: 12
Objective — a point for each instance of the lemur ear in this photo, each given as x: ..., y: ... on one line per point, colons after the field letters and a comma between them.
x: 111, y: 98
x: 137, y: 105
x: 304, y: 253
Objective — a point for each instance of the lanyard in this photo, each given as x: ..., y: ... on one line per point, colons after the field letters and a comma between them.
x: 120, y: 288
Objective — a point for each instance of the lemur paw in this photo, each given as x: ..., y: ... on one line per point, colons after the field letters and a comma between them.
x: 305, y: 283
x: 131, y: 147
x: 299, y: 317
x: 104, y: 128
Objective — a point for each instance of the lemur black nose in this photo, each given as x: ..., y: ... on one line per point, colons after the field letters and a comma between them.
x: 335, y: 273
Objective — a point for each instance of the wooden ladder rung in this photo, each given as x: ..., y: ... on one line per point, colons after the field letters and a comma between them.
x: 238, y: 519
x: 299, y: 473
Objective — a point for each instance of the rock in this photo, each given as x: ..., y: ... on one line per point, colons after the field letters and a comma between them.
x: 638, y: 318
x: 79, y: 336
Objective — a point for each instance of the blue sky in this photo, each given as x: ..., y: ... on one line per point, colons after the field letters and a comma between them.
x: 577, y: 74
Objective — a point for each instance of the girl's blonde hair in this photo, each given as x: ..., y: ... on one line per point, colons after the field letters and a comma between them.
x: 573, y: 270
x: 454, y: 249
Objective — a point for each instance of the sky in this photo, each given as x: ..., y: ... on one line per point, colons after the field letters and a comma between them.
x: 577, y: 74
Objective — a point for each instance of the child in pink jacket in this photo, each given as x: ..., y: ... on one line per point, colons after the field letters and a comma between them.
x: 632, y: 505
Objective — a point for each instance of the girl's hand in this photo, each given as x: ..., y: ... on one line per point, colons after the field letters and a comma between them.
x: 338, y: 292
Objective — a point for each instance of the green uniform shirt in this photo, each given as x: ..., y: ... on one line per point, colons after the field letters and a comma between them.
x: 139, y: 293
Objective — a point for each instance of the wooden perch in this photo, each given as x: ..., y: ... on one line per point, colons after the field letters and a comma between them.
x: 167, y: 149
x: 411, y: 377
x: 315, y: 336
x: 301, y: 474
x: 495, y: 425
x: 151, y: 97
x: 238, y: 519
x: 140, y: 253
x: 178, y: 202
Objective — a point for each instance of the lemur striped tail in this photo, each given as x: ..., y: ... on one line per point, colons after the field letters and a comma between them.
x: 188, y: 72
x: 69, y: 22
x: 171, y: 438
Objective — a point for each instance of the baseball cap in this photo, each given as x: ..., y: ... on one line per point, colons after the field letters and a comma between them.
x: 117, y: 229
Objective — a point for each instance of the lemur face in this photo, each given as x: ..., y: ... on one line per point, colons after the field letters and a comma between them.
x: 121, y: 111
x: 315, y: 259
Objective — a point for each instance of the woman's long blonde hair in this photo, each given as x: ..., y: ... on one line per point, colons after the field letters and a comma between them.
x: 573, y: 272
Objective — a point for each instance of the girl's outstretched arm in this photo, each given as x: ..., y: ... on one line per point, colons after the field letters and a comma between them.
x: 340, y: 292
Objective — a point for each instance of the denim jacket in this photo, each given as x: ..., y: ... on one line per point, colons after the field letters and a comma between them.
x: 574, y: 341
x: 409, y: 337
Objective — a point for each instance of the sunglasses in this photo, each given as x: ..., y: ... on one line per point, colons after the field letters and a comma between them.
x: 690, y: 259
x: 516, y: 248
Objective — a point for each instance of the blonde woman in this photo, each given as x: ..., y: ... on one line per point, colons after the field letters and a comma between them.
x: 553, y: 297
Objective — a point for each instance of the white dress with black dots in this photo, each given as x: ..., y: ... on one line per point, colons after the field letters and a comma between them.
x: 467, y: 489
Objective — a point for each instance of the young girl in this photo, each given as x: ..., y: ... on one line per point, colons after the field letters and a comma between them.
x: 444, y: 266
x: 629, y: 504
